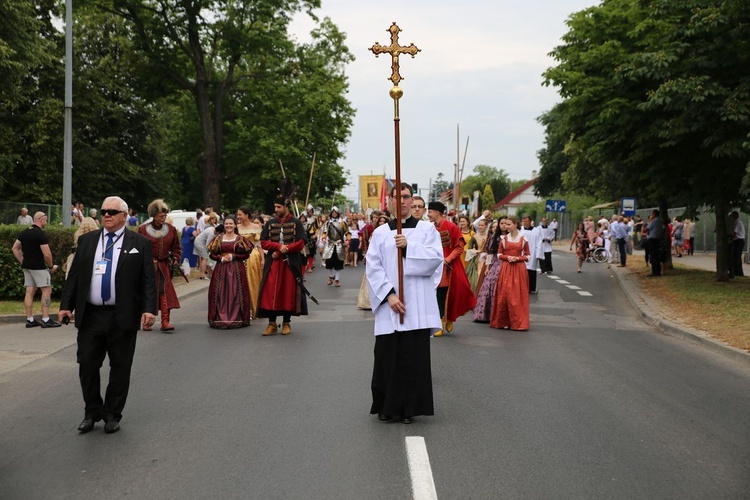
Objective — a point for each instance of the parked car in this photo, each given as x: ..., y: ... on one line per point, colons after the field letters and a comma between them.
x: 177, y: 218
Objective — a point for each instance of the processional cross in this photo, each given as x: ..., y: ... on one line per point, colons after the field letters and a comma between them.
x: 395, y: 50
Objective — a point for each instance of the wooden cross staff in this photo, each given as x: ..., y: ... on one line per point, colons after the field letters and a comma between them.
x: 395, y: 50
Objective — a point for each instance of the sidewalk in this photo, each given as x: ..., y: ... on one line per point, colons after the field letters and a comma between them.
x: 20, y: 346
x: 643, y: 304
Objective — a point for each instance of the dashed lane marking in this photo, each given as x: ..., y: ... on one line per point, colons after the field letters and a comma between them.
x: 584, y: 293
x: 422, y: 483
x: 573, y: 287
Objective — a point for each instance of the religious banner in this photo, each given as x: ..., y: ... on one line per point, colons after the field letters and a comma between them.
x: 369, y: 191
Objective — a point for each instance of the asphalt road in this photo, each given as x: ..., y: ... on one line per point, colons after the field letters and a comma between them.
x: 590, y: 403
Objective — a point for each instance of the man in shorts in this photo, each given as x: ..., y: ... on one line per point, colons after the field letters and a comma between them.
x: 31, y: 249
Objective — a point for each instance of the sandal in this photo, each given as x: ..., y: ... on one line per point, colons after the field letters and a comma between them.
x: 330, y: 281
x: 338, y: 283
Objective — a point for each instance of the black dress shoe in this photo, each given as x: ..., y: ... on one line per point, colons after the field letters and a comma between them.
x: 407, y: 420
x: 87, y: 425
x: 112, y: 426
x: 383, y: 416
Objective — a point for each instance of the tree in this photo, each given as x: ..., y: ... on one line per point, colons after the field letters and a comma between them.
x: 488, y: 198
x: 653, y: 91
x: 225, y: 54
x: 439, y: 186
x: 483, y: 175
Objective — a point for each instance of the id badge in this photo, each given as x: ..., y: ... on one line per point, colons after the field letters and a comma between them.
x: 100, y: 267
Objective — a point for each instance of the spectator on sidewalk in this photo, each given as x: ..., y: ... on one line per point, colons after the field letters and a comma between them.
x: 31, y: 249
x: 737, y: 245
x: 24, y: 219
x: 653, y: 232
x: 621, y: 236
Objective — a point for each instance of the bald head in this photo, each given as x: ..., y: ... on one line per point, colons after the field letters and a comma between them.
x: 40, y: 219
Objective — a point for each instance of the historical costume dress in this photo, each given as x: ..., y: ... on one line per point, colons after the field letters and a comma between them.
x: 472, y: 262
x: 511, y: 306
x: 363, y: 299
x: 254, y: 265
x: 228, y: 300
x: 466, y: 237
x: 454, y: 290
x: 402, y: 378
x: 486, y: 294
x: 335, y: 231
x: 280, y: 294
x: 165, y: 248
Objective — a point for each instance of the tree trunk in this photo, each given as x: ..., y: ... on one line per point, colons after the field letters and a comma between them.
x: 723, y: 270
x: 210, y: 162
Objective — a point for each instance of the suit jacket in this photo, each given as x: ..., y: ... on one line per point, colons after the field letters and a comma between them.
x: 135, y: 283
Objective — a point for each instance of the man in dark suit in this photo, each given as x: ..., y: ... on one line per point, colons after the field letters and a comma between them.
x: 111, y: 288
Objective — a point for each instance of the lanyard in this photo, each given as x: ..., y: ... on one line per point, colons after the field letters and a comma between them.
x: 114, y: 240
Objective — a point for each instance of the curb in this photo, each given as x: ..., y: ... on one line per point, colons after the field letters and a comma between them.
x: 671, y: 329
x: 13, y: 319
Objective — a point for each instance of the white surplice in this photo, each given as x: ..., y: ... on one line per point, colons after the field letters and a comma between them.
x: 423, y: 268
x: 534, y: 238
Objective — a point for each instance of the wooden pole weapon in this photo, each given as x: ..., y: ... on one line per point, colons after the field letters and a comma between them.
x: 395, y: 50
x: 309, y: 183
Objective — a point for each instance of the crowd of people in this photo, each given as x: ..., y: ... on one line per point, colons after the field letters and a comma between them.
x: 422, y: 274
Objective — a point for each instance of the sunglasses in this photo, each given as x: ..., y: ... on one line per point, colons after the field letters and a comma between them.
x: 111, y: 211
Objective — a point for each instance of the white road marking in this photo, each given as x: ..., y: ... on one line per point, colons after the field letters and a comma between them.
x: 573, y: 287
x: 422, y: 484
x: 563, y: 282
x: 552, y: 277
x: 585, y: 294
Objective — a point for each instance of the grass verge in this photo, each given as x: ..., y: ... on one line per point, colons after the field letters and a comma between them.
x: 694, y: 298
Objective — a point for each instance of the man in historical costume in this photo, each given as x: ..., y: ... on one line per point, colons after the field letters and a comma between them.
x: 313, y: 226
x: 283, y: 237
x: 533, y: 236
x: 547, y: 236
x: 401, y: 377
x: 454, y: 295
x: 335, y: 231
x: 166, y: 250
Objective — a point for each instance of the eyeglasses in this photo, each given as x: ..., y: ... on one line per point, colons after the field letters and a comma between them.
x: 405, y: 196
x: 420, y: 207
x: 111, y: 211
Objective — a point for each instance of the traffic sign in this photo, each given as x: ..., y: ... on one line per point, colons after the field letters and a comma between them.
x: 628, y: 206
x: 556, y: 205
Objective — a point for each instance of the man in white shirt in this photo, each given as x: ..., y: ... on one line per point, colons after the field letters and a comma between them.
x: 547, y: 235
x: 402, y: 376
x: 533, y: 236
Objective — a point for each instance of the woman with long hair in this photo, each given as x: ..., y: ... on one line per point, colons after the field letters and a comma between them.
x: 581, y: 241
x: 228, y: 298
x: 187, y: 238
x: 510, y: 308
x: 486, y: 294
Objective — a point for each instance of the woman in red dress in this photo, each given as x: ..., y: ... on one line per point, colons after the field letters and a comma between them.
x: 511, y: 306
x: 228, y: 297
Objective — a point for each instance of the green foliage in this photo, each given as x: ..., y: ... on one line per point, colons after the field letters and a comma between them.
x: 486, y: 175
x: 488, y: 198
x: 61, y: 245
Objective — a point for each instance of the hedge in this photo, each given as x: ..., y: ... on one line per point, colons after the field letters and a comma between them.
x: 11, y: 284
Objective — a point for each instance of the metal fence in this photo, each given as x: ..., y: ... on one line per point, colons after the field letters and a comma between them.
x: 704, y: 231
x: 10, y: 210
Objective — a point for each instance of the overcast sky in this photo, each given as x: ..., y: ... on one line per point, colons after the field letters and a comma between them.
x: 480, y: 67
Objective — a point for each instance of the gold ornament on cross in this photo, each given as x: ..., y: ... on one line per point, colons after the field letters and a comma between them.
x: 395, y: 50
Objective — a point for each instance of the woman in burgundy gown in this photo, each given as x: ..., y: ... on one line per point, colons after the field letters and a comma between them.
x: 511, y: 306
x: 228, y: 298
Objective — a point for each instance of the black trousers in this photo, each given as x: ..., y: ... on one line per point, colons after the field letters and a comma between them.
x: 442, y: 295
x: 653, y: 255
x: 623, y: 252
x: 736, y: 257
x: 532, y: 280
x: 100, y: 335
x: 546, y: 263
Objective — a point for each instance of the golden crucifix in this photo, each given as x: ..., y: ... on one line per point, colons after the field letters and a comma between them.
x: 395, y: 50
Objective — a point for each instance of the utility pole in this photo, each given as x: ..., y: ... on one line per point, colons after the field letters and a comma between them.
x: 68, y: 135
